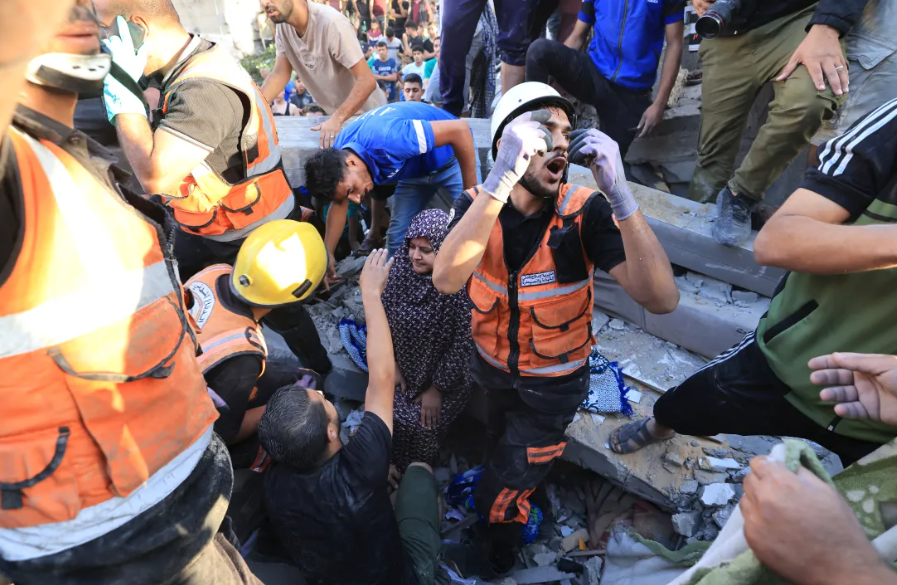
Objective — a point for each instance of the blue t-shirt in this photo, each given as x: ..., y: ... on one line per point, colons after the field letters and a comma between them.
x: 396, y: 141
x: 385, y: 68
x: 288, y: 89
x: 629, y: 37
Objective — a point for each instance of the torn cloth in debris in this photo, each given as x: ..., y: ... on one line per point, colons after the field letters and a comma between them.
x: 607, y: 392
x: 865, y: 485
x: 354, y: 338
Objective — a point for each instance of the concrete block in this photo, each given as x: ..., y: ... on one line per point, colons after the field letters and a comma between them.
x: 697, y: 324
x: 717, y: 494
x: 683, y: 228
x: 716, y: 464
x: 689, y: 487
x: 540, y: 575
x: 687, y: 523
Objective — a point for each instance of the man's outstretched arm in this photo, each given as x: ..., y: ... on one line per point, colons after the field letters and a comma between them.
x: 381, y: 360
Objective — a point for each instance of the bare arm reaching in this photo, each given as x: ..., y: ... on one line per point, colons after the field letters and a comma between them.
x: 381, y: 360
x: 457, y: 134
x: 278, y: 78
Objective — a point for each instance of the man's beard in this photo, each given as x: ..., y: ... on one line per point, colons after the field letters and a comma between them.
x: 284, y: 14
x: 531, y: 183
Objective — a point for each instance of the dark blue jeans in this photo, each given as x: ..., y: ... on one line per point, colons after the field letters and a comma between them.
x: 459, y: 24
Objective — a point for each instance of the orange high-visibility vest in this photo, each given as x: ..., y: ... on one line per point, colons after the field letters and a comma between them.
x: 528, y: 322
x: 99, y: 383
x: 208, y: 205
x: 223, y: 331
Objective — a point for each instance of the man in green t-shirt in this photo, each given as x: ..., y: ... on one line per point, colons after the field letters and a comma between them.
x: 837, y: 234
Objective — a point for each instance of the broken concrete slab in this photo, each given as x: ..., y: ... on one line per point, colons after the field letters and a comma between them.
x: 346, y: 380
x: 716, y: 464
x: 700, y: 325
x: 684, y: 229
x: 717, y: 494
x: 687, y: 523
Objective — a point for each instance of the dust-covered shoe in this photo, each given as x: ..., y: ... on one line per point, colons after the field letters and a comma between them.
x: 733, y: 222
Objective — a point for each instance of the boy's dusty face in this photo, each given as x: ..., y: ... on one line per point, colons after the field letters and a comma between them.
x: 418, y: 57
x: 383, y: 53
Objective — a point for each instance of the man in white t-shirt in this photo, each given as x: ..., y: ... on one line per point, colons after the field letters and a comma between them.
x: 320, y: 45
x: 417, y: 66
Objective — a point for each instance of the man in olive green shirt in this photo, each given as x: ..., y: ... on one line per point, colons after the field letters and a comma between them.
x: 837, y: 235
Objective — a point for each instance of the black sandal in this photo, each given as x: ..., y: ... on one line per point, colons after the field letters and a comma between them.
x: 636, y: 432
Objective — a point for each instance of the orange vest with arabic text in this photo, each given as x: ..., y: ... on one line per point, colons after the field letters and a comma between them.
x: 99, y: 383
x: 208, y: 205
x: 538, y: 320
x: 223, y: 331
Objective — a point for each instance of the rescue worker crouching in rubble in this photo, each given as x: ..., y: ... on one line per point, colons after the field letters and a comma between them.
x: 109, y: 469
x: 529, y: 276
x: 227, y: 304
x: 212, y: 150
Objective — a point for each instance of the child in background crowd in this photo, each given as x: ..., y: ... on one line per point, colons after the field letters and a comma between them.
x: 313, y: 110
x: 385, y: 70
x: 431, y: 64
x: 394, y: 44
x: 417, y: 66
x: 413, y: 37
x: 375, y: 34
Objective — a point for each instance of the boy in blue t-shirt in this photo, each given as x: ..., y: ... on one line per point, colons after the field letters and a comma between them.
x: 385, y: 70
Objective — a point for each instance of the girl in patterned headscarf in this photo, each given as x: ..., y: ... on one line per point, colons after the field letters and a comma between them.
x: 433, y: 345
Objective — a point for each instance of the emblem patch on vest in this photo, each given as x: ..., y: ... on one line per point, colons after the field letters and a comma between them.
x: 203, y: 302
x: 538, y: 278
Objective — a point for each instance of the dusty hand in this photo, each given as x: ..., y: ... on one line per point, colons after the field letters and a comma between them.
x: 702, y: 6
x: 400, y: 380
x: 430, y: 406
x: 521, y: 139
x: 329, y: 131
x: 650, y: 119
x: 600, y: 152
x: 820, y: 52
x: 801, y: 528
x: 375, y: 273
x: 864, y: 386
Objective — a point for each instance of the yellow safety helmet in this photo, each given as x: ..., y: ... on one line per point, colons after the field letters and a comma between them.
x: 281, y: 262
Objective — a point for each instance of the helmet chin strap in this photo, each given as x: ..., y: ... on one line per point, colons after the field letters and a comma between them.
x: 81, y: 74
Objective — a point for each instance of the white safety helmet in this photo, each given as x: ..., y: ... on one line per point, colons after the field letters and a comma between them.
x: 525, y: 97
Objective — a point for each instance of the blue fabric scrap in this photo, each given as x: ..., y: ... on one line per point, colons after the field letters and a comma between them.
x: 607, y: 392
x: 354, y: 340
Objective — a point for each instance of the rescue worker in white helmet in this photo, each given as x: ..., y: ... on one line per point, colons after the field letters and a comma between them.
x: 110, y: 471
x: 280, y: 263
x: 525, y: 244
x: 211, y: 150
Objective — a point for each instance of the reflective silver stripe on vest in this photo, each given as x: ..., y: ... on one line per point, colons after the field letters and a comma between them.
x: 574, y: 365
x: 210, y: 346
x: 492, y: 361
x: 114, y: 294
x: 554, y: 292
x: 567, y: 197
x: 271, y: 161
x: 495, y: 287
x: 282, y: 212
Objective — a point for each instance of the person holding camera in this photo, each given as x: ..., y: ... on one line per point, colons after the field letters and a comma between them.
x: 797, y: 45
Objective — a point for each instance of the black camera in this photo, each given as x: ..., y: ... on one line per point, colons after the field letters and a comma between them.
x: 718, y: 19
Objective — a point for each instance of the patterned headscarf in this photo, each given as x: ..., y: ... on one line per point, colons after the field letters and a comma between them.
x: 403, y: 280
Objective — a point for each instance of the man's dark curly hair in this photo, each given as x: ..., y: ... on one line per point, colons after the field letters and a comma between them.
x: 323, y: 172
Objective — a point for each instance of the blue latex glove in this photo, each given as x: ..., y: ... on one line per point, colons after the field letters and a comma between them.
x: 599, y: 152
x: 120, y: 100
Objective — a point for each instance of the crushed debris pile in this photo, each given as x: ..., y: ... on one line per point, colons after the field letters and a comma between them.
x: 343, y: 301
